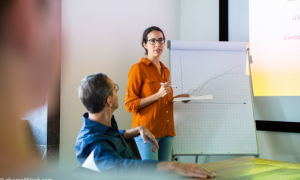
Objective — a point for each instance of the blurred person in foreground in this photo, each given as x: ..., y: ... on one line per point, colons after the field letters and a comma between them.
x: 100, y: 134
x: 29, y: 56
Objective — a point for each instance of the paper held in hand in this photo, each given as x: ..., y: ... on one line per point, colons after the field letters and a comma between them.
x: 193, y: 98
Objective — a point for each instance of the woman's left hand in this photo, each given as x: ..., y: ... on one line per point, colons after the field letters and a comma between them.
x: 146, y: 134
x: 183, y: 95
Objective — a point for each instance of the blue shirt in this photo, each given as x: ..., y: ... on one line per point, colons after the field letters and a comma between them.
x: 111, y: 152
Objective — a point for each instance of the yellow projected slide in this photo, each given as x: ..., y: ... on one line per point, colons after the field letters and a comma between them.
x: 275, y: 47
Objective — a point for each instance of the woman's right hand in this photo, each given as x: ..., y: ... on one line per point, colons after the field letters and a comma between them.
x: 164, y: 90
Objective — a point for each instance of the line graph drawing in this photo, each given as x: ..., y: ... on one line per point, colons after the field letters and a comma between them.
x: 221, y: 124
x: 199, y: 89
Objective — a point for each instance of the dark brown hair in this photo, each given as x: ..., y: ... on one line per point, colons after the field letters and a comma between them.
x: 145, y: 35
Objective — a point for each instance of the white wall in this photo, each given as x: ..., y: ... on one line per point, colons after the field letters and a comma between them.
x: 199, y: 20
x: 279, y: 146
x: 105, y: 36
x: 238, y: 20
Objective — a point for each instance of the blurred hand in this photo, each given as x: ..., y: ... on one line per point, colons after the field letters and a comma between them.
x: 164, y: 90
x: 192, y: 170
x: 146, y: 134
x: 183, y: 95
x: 184, y: 169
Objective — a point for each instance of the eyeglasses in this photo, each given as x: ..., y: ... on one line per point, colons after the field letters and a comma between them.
x: 160, y: 41
x: 116, y: 88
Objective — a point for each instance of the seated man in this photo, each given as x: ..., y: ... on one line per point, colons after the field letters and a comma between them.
x: 100, y: 134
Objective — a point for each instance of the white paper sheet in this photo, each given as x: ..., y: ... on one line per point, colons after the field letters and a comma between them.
x: 89, y: 163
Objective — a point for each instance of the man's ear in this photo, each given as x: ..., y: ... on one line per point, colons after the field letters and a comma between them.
x: 109, y: 101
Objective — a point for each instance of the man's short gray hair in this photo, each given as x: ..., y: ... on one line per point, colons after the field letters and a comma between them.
x: 93, y: 92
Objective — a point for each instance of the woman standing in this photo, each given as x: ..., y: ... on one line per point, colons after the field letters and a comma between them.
x: 150, y: 102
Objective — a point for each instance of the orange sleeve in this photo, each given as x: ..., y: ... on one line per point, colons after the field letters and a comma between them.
x: 133, y: 91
